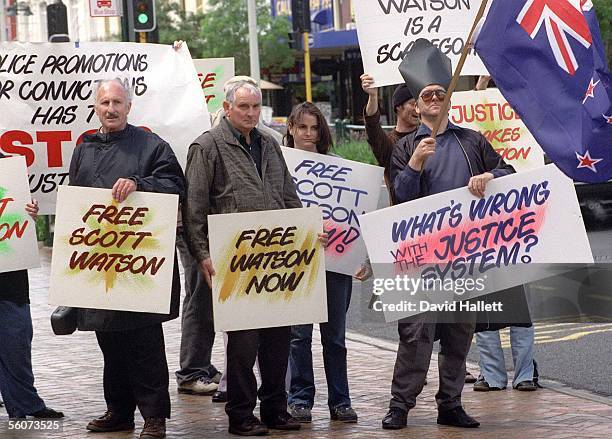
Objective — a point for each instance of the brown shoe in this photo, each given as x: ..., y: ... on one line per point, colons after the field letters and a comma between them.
x: 111, y: 421
x: 154, y: 428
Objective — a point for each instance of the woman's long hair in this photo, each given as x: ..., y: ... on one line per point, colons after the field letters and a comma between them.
x: 324, y: 142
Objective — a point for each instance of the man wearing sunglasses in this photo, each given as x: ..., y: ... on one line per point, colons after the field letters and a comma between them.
x: 422, y: 166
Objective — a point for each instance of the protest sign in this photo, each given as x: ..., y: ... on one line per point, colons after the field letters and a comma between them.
x: 113, y: 256
x: 343, y: 189
x: 488, y: 112
x: 270, y: 269
x: 388, y: 28
x: 213, y: 73
x: 47, y: 92
x: 18, y: 246
x: 525, y: 222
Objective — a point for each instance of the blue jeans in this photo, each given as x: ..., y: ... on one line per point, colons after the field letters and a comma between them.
x: 491, y: 361
x: 302, y: 390
x: 16, y: 377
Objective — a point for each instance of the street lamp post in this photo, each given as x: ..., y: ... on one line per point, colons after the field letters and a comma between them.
x: 253, y: 46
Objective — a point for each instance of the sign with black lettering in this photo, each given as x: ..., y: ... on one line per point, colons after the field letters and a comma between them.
x: 270, y: 269
x: 343, y: 189
x: 113, y: 256
x: 47, y: 95
x: 388, y: 28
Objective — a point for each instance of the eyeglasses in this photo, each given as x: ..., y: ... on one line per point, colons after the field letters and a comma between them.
x: 427, y: 96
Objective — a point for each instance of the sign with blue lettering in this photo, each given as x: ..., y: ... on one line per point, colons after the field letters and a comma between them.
x: 343, y: 189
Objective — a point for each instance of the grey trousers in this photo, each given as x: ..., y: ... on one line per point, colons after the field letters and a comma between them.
x: 197, y: 325
x: 414, y: 354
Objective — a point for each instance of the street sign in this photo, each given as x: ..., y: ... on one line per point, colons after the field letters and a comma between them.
x: 105, y: 8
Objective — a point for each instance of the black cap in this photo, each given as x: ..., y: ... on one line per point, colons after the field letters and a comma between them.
x: 401, y: 95
x: 424, y: 64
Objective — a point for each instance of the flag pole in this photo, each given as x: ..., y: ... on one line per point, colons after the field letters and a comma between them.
x: 453, y: 83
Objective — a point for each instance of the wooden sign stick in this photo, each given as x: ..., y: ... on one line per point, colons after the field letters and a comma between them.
x: 453, y: 83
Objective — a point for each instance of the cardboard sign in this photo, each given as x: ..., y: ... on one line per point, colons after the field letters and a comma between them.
x: 488, y: 112
x: 18, y: 246
x: 343, y: 189
x: 270, y: 269
x: 505, y: 239
x: 113, y: 256
x: 388, y: 28
x: 213, y: 73
x: 47, y: 93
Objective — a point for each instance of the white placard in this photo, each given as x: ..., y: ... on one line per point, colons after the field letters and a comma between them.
x: 343, y: 189
x: 47, y: 94
x: 388, y: 28
x: 18, y: 246
x: 213, y: 73
x: 113, y: 256
x: 270, y: 269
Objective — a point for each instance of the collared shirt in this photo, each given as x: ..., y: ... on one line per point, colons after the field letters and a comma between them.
x: 254, y: 148
x: 448, y: 168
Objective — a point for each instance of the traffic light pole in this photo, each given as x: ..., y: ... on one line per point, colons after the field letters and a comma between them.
x: 127, y: 21
x: 307, y: 80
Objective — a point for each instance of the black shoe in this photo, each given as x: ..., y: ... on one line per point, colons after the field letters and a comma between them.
x: 217, y: 377
x: 249, y: 427
x: 282, y: 421
x: 469, y: 378
x: 395, y: 419
x: 526, y: 386
x: 482, y: 386
x: 457, y: 417
x: 344, y: 414
x: 219, y: 396
x: 111, y: 421
x: 154, y: 428
x: 47, y: 413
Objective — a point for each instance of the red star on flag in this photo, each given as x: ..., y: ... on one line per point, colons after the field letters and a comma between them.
x: 585, y: 161
x: 590, y: 93
x: 608, y: 118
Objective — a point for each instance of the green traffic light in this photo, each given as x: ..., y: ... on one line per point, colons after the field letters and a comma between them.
x: 143, y: 18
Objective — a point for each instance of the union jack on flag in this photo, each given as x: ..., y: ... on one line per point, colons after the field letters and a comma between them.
x: 548, y: 60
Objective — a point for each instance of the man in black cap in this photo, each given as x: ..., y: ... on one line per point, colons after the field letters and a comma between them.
x: 422, y: 166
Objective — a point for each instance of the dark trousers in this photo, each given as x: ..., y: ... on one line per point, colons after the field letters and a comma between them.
x: 302, y: 390
x: 271, y: 347
x: 136, y: 371
x: 16, y: 377
x: 197, y: 324
x: 414, y: 355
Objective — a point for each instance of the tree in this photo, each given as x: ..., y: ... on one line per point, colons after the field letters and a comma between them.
x: 603, y: 9
x: 175, y: 24
x: 225, y: 33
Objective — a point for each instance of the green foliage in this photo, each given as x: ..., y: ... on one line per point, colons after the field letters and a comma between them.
x: 223, y: 32
x: 175, y: 24
x: 603, y: 8
x: 355, y: 150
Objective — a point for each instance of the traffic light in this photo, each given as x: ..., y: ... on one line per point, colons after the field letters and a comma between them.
x: 144, y: 15
x: 295, y: 40
x: 57, y: 22
x: 300, y: 15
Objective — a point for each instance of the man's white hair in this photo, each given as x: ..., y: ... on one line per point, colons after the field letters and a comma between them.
x: 123, y: 83
x: 232, y: 88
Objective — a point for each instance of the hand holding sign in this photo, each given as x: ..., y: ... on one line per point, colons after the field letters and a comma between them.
x: 122, y: 188
x: 425, y: 148
x: 32, y: 209
x: 206, y: 267
x: 478, y: 183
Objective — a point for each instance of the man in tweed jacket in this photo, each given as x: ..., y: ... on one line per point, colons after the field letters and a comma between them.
x: 236, y: 168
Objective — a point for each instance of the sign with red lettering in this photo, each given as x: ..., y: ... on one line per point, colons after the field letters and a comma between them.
x: 431, y: 252
x: 488, y: 112
x: 388, y: 28
x: 47, y: 95
x: 105, y: 8
x: 270, y: 269
x: 213, y: 73
x: 18, y: 246
x: 113, y: 256
x: 343, y: 189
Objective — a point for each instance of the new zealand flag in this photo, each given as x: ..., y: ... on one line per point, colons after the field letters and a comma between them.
x: 548, y: 60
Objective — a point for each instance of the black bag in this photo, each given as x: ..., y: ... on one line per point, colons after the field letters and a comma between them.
x: 64, y: 320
